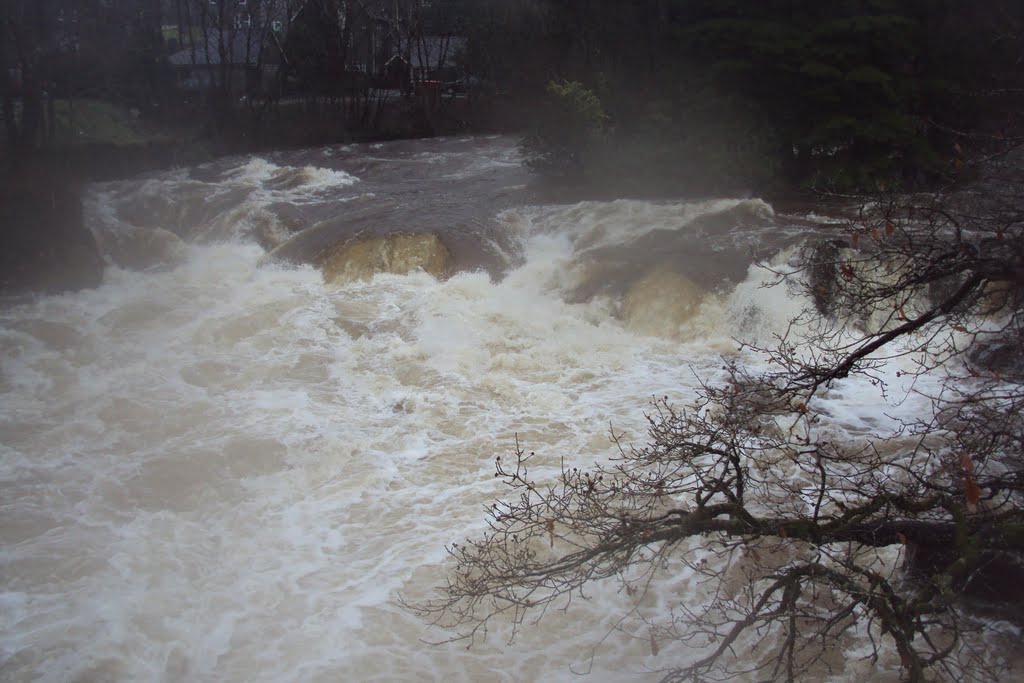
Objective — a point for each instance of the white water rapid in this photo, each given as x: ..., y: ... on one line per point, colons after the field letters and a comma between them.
x: 218, y: 467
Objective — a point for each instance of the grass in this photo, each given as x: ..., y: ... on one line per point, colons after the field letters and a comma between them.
x: 88, y: 121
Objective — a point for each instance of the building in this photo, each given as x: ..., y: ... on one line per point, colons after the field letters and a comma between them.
x: 427, y: 58
x: 230, y: 45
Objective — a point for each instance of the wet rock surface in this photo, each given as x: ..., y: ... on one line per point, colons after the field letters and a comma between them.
x: 46, y: 247
x: 398, y: 254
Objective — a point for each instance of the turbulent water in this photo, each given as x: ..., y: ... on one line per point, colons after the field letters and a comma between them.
x: 221, y: 465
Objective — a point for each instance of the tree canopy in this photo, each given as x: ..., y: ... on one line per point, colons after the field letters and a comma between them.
x: 838, y: 94
x: 697, y: 94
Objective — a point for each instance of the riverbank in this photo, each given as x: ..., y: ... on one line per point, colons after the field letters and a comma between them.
x: 45, y: 244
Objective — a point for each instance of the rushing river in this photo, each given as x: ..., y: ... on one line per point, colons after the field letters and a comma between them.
x: 230, y: 461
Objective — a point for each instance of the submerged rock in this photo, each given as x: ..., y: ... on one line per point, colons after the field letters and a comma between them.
x: 661, y: 302
x: 999, y: 355
x: 997, y: 577
x: 822, y: 261
x: 395, y: 253
x: 144, y: 249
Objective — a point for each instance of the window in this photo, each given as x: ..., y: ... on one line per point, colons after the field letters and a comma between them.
x: 243, y: 21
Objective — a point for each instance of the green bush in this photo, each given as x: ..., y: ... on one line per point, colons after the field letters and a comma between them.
x: 567, y: 132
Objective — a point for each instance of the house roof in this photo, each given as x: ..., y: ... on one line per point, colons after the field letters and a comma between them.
x: 434, y: 51
x: 239, y: 47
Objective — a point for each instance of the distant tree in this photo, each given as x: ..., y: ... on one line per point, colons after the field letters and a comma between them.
x: 509, y: 45
x: 28, y: 39
x: 841, y: 84
x: 748, y: 485
x: 567, y: 130
x: 60, y: 50
x: 837, y: 94
x: 319, y: 42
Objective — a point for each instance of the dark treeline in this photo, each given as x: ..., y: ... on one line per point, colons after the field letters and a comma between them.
x: 242, y: 74
x: 704, y: 92
x: 93, y: 89
x: 768, y: 93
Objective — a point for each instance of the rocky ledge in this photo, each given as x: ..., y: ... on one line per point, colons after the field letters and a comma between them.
x: 46, y: 247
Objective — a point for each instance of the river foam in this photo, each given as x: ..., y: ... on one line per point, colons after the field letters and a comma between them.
x: 226, y: 469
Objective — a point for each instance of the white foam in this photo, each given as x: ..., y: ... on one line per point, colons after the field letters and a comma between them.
x: 137, y: 224
x: 598, y: 225
x: 223, y: 471
x: 255, y: 171
x: 250, y: 487
x: 280, y: 183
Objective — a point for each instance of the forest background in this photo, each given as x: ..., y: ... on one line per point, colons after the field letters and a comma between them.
x: 674, y: 96
x: 773, y: 98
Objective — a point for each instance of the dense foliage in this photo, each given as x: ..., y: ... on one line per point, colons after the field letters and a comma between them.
x: 572, y: 128
x: 698, y: 94
x: 840, y: 94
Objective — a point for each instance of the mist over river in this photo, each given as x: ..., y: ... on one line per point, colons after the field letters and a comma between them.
x: 230, y: 461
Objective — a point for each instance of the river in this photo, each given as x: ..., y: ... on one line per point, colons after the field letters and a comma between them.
x: 221, y: 465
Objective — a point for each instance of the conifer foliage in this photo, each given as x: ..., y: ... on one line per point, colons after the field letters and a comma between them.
x: 837, y: 95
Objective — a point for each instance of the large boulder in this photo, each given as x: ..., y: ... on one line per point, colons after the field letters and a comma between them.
x: 1000, y: 355
x: 661, y: 303
x: 822, y: 262
x: 361, y: 259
